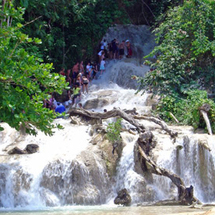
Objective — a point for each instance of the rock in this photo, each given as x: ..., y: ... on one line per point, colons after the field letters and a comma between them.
x: 123, y: 198
x: 146, y: 141
x: 73, y: 121
x: 61, y: 98
x: 140, y: 37
x: 96, y: 103
x: 31, y: 148
x: 152, y: 101
x: 16, y: 150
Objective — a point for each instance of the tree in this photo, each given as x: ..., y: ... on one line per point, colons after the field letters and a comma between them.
x: 25, y: 80
x: 71, y: 30
x: 185, y: 51
x: 185, y: 62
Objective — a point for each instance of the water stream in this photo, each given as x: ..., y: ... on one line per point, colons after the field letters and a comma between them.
x: 68, y: 175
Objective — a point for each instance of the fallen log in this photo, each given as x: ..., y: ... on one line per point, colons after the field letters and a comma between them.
x: 163, y: 125
x: 185, y: 195
x: 106, y: 115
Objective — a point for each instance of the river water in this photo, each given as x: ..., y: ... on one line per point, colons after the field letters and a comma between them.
x: 111, y: 210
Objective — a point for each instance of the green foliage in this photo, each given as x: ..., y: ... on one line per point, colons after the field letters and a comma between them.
x: 113, y: 131
x: 185, y: 49
x: 25, y: 80
x: 70, y: 30
x: 187, y: 110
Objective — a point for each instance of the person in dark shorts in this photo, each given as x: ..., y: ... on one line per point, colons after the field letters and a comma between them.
x: 85, y: 83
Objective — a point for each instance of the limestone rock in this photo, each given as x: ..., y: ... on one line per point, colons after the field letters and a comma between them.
x: 140, y: 37
x: 16, y: 150
x: 31, y: 148
x: 123, y: 198
x: 96, y: 103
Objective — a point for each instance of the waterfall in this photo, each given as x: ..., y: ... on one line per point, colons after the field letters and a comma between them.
x: 54, y: 176
x: 193, y: 162
x: 70, y: 170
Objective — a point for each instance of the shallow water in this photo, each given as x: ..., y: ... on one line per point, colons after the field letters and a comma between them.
x: 104, y: 210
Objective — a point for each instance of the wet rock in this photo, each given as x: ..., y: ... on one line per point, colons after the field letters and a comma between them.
x: 96, y: 139
x: 31, y: 148
x: 123, y: 198
x: 146, y: 141
x: 61, y: 98
x: 96, y: 103
x: 152, y: 101
x: 16, y: 151
x: 140, y: 37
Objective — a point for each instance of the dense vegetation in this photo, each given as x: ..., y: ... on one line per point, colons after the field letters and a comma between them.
x: 25, y: 81
x: 71, y: 30
x: 185, y: 61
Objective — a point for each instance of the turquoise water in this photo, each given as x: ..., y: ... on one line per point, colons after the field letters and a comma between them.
x: 100, y: 210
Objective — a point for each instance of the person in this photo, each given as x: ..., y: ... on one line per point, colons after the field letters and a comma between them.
x: 121, y: 49
x: 60, y: 108
x: 80, y: 105
x: 50, y: 103
x: 110, y: 51
x: 62, y: 72
x: 117, y: 49
x: 101, y: 55
x: 114, y: 48
x: 94, y: 71
x: 68, y: 79
x: 88, y: 71
x: 104, y: 47
x: 129, y: 49
x: 81, y: 66
x: 102, y: 66
x: 78, y: 80
x: 75, y: 71
x: 76, y: 94
x: 85, y: 83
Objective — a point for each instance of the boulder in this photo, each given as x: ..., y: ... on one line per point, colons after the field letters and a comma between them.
x: 123, y: 198
x: 146, y: 141
x: 31, y: 148
x: 16, y: 150
x: 96, y: 103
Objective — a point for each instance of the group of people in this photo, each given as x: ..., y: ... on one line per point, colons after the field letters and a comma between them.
x: 80, y: 76
x: 116, y: 49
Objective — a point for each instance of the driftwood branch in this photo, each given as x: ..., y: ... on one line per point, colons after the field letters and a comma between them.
x: 185, y: 195
x: 106, y: 115
x: 204, y: 109
x: 163, y: 125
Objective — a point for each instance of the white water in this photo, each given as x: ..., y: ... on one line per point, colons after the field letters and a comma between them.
x: 60, y: 173
x: 56, y: 176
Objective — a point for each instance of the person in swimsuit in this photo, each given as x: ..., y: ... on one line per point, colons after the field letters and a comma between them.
x: 121, y: 49
x: 85, y: 83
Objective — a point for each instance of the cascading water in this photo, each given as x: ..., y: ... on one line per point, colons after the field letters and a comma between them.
x: 70, y: 170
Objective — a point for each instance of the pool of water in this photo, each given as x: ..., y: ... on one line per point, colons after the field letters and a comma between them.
x: 104, y: 210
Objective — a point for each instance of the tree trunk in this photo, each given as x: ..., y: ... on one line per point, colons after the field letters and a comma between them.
x: 106, y: 115
x: 132, y: 119
x: 185, y: 195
